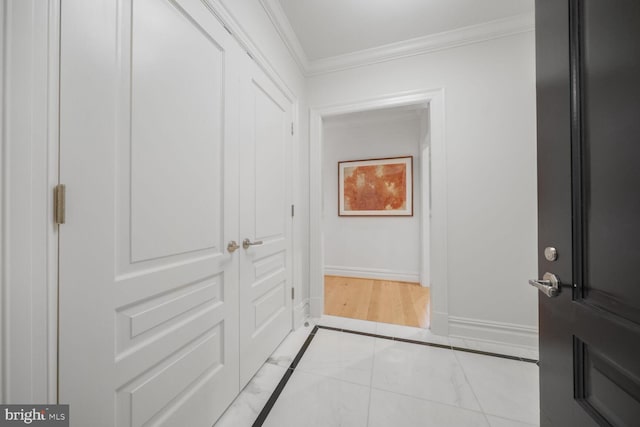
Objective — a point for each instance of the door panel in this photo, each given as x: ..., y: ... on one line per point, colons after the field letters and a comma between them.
x: 177, y: 105
x: 265, y: 194
x: 610, y: 69
x: 588, y: 143
x: 148, y: 291
x: 607, y: 349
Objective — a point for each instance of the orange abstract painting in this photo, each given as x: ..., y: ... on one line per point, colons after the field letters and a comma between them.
x: 376, y: 187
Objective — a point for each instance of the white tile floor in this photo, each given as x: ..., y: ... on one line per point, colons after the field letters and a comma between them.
x: 353, y: 380
x: 425, y: 335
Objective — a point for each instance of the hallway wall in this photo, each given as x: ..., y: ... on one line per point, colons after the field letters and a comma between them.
x: 371, y: 247
x: 489, y: 95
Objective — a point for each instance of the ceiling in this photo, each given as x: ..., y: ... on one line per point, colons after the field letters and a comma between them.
x: 327, y: 28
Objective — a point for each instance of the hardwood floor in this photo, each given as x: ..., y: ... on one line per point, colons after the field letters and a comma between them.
x: 402, y: 303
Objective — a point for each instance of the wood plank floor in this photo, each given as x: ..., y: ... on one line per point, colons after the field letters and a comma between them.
x: 402, y: 303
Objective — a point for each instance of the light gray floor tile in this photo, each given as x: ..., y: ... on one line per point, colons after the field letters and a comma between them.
x: 287, y: 351
x: 413, y: 385
x: 529, y: 353
x: 411, y: 333
x: 390, y: 409
x: 347, y: 323
x: 506, y: 388
x: 311, y: 400
x: 340, y: 355
x: 421, y: 371
x: 503, y: 422
x: 245, y: 409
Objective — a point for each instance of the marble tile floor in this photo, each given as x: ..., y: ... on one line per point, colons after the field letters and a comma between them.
x: 425, y: 335
x: 352, y: 380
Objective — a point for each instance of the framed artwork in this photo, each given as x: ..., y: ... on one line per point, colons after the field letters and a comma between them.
x: 376, y: 187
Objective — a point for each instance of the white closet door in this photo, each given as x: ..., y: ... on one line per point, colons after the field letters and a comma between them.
x: 265, y: 216
x: 148, y: 290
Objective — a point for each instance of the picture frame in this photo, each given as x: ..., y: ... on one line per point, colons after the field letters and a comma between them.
x: 376, y: 187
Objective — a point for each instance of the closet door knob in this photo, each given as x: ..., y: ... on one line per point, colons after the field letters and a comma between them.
x: 233, y: 246
x: 246, y: 243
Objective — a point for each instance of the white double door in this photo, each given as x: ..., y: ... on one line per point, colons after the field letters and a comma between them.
x: 173, y: 144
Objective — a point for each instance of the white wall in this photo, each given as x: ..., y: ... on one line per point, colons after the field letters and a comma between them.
x: 491, y: 173
x: 372, y: 247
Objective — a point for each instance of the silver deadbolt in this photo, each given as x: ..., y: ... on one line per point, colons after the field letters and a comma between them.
x: 550, y: 253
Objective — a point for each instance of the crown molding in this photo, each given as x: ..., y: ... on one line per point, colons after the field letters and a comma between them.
x: 282, y: 25
x: 412, y: 47
x: 421, y: 45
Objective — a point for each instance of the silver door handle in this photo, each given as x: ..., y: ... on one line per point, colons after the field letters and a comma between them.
x: 246, y: 243
x: 549, y: 285
x: 233, y: 246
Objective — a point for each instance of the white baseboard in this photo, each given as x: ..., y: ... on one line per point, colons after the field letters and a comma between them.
x: 495, y: 332
x: 300, y: 313
x: 373, y: 273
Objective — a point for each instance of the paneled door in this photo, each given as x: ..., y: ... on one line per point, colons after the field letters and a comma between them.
x: 265, y: 219
x: 588, y: 69
x: 148, y: 289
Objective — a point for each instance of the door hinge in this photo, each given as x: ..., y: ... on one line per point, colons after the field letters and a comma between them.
x: 59, y: 202
x: 293, y: 210
x: 293, y: 293
x: 291, y: 128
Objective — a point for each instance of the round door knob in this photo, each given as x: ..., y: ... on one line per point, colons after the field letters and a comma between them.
x: 233, y: 246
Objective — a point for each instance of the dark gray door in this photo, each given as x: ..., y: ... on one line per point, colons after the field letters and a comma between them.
x: 588, y: 77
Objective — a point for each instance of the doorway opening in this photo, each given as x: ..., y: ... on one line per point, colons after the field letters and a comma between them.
x: 380, y: 268
x: 375, y: 177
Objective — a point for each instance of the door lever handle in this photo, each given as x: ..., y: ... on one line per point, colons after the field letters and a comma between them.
x: 247, y: 243
x: 549, y: 285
